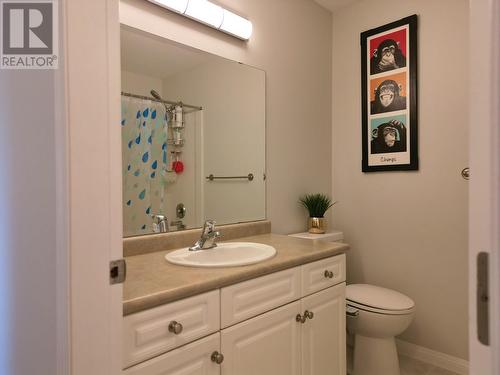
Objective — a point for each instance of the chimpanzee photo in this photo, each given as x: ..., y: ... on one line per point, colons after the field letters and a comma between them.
x: 388, y: 56
x: 388, y: 98
x: 389, y: 137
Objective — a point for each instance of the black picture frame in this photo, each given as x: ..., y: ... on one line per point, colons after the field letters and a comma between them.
x: 389, y: 119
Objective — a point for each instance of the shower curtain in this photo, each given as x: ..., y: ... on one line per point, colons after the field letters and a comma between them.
x: 144, y: 156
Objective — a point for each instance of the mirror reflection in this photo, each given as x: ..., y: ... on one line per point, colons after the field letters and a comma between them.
x: 193, y: 137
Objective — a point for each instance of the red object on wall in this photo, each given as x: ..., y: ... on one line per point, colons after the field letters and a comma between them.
x: 178, y: 166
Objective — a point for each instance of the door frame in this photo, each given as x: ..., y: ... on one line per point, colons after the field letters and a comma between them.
x: 89, y: 153
x: 484, y: 192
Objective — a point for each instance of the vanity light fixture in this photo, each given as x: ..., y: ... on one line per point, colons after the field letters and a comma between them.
x: 210, y: 14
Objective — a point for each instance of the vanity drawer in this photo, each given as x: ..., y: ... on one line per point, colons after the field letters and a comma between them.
x: 194, y: 358
x: 147, y: 334
x: 250, y: 298
x: 322, y: 274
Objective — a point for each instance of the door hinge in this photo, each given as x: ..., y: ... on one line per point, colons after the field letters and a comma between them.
x: 483, y: 299
x: 117, y: 271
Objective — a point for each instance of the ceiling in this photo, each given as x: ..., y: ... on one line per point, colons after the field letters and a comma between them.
x: 334, y: 5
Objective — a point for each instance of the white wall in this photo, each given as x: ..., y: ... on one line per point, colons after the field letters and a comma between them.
x: 233, y: 135
x: 28, y: 311
x: 140, y: 84
x: 408, y: 230
x: 292, y: 43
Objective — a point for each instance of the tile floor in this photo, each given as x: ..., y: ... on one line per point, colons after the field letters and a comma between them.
x: 409, y: 366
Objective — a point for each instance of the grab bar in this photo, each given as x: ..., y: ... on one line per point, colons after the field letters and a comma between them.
x: 211, y: 177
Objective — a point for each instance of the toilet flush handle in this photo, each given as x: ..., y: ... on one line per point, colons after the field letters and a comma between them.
x: 351, y: 311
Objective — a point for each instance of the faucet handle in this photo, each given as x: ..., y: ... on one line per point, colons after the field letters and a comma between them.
x: 160, y: 223
x: 209, y: 226
x: 158, y: 218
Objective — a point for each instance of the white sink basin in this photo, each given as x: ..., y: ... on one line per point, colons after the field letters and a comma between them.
x: 228, y: 254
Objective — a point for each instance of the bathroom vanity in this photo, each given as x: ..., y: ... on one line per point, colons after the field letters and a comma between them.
x: 285, y: 315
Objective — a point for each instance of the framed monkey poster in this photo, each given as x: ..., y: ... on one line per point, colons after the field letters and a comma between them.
x: 389, y: 97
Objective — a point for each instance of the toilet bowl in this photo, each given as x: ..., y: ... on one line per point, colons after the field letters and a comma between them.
x: 375, y: 316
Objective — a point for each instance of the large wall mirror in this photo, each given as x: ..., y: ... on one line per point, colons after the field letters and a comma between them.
x: 193, y: 137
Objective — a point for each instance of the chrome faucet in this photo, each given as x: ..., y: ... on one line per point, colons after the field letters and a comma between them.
x: 208, y: 237
x: 160, y: 223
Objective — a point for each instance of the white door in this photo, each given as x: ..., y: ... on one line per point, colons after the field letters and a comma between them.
x: 191, y: 359
x: 268, y: 344
x: 92, y: 156
x: 323, y: 335
x: 484, y: 192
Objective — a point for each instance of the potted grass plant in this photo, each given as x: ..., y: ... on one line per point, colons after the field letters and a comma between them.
x: 317, y: 205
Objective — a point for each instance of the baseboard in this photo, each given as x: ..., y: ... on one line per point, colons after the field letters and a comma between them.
x: 445, y: 361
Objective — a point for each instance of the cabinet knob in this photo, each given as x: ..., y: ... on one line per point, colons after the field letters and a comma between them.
x: 302, y: 318
x: 175, y: 327
x: 217, y: 357
x: 328, y: 274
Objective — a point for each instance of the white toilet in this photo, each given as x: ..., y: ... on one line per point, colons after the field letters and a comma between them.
x: 375, y: 316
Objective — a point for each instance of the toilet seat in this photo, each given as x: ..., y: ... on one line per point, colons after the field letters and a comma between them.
x: 378, y: 300
x: 362, y: 307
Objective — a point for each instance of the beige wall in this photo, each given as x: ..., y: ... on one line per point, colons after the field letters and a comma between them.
x: 408, y: 230
x: 292, y: 43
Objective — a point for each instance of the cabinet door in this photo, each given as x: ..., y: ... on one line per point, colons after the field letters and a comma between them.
x: 268, y: 344
x: 191, y: 359
x: 323, y: 336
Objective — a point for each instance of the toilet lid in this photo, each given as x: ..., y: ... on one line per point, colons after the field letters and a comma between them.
x: 377, y: 297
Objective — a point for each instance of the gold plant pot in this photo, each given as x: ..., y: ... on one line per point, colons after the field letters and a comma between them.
x: 317, y: 225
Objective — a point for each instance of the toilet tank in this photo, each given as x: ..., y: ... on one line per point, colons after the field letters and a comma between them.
x: 331, y: 236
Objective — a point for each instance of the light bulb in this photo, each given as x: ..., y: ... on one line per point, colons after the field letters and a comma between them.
x: 206, y: 12
x: 236, y: 25
x: 210, y: 14
x: 178, y: 6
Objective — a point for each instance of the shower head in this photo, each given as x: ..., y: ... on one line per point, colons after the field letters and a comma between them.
x: 156, y: 95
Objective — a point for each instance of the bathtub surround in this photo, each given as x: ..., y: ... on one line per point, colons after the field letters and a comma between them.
x: 408, y: 230
x: 234, y: 123
x: 292, y: 42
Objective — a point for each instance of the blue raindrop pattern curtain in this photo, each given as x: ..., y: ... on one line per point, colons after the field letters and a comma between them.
x: 144, y: 155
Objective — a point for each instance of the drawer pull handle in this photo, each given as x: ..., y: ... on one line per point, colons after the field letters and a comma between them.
x: 217, y: 357
x: 328, y: 274
x: 302, y: 318
x: 175, y: 327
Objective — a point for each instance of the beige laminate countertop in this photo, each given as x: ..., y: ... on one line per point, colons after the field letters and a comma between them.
x: 152, y: 281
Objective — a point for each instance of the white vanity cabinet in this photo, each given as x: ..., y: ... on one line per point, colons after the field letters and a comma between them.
x: 290, y: 322
x: 267, y: 344
x: 324, y: 336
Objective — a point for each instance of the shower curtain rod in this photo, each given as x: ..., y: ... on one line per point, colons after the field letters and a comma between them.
x: 195, y: 107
